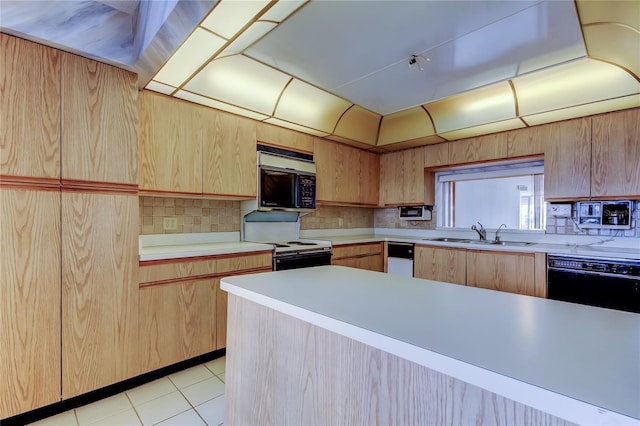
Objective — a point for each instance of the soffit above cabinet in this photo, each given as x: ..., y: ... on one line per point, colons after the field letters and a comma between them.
x: 377, y: 74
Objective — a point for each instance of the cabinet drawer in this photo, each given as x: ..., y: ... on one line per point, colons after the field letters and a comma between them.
x: 356, y: 250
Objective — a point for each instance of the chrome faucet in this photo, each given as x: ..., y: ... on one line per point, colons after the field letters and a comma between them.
x: 481, y: 231
x: 498, y: 231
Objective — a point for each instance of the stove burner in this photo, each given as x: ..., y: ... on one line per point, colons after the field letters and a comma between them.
x: 300, y: 243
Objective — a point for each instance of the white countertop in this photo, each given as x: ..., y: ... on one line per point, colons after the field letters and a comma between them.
x: 577, y: 362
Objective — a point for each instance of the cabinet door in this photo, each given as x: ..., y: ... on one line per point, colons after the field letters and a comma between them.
x: 170, y: 145
x: 526, y: 142
x: 326, y: 184
x: 391, y: 178
x: 567, y: 159
x: 369, y: 178
x: 99, y: 290
x: 29, y: 300
x: 363, y: 256
x: 436, y: 155
x: 279, y: 136
x: 481, y: 148
x: 229, y: 154
x: 29, y: 109
x: 510, y: 272
x: 413, y: 179
x: 220, y: 316
x: 441, y: 264
x: 99, y: 122
x: 615, y: 169
x: 175, y: 322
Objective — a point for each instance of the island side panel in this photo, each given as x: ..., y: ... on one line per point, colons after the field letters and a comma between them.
x: 281, y: 370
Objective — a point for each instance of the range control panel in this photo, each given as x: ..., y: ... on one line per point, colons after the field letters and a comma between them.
x: 615, y: 267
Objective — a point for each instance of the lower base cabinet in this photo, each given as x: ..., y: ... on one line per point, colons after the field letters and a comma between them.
x: 441, y: 264
x: 362, y: 256
x: 510, y: 272
x: 183, y: 311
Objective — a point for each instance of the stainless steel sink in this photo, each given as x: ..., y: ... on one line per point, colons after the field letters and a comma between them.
x: 511, y: 243
x: 448, y: 240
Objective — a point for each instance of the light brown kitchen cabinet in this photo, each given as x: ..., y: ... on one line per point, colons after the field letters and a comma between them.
x: 402, y: 178
x: 345, y: 175
x: 615, y: 166
x: 436, y: 155
x: 29, y: 109
x: 526, y: 142
x: 481, y: 148
x: 183, y: 311
x: 282, y: 137
x: 504, y: 271
x: 170, y: 145
x: 360, y: 255
x: 229, y: 155
x: 440, y: 264
x: 99, y: 122
x: 174, y: 324
x: 99, y: 290
x: 567, y: 159
x: 29, y: 299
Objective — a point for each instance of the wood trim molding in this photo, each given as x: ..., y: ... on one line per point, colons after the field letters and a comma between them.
x: 205, y: 277
x: 146, y: 263
x: 289, y: 148
x: 29, y: 182
x: 73, y: 185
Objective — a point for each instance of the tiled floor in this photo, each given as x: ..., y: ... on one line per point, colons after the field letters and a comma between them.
x: 190, y: 397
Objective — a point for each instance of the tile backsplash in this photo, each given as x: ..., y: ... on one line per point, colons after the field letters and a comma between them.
x: 388, y: 218
x: 192, y: 215
x: 337, y: 217
x: 565, y: 226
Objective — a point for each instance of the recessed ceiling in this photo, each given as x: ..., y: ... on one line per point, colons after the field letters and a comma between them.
x: 344, y: 69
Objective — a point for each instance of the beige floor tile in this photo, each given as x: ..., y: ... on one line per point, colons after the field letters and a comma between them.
x: 203, y: 391
x: 188, y: 418
x: 217, y: 365
x: 212, y: 411
x: 162, y: 408
x: 222, y: 377
x: 102, y: 409
x: 151, y: 390
x: 125, y: 418
x: 192, y: 375
x: 68, y: 418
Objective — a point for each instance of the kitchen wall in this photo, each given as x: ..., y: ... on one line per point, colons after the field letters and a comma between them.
x: 193, y: 215
x: 336, y: 217
x: 388, y: 218
x: 565, y: 226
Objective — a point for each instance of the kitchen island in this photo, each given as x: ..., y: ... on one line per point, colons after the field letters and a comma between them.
x: 336, y: 345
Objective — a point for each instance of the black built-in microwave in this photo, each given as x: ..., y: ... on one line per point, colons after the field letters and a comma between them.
x: 286, y: 182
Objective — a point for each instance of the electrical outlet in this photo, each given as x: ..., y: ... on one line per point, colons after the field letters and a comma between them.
x: 170, y: 223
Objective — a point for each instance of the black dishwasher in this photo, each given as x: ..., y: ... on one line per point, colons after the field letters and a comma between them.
x: 606, y: 283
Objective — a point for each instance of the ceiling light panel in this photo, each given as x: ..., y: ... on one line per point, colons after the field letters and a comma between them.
x: 192, y: 97
x: 576, y: 83
x: 359, y: 124
x: 477, y: 107
x: 160, y: 87
x: 249, y: 36
x: 405, y: 125
x: 484, y: 129
x: 281, y: 10
x: 615, y: 43
x: 240, y: 81
x: 624, y: 12
x: 198, y: 48
x: 229, y: 17
x: 307, y: 105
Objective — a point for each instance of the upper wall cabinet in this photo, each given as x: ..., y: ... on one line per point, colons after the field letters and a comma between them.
x: 99, y: 122
x: 402, y: 177
x: 29, y: 109
x: 229, y: 155
x: 481, y: 148
x: 275, y: 135
x: 615, y: 165
x: 526, y: 142
x: 345, y: 175
x: 170, y: 145
x: 567, y: 159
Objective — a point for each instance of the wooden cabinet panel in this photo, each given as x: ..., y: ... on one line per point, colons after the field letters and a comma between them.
x: 481, y: 148
x: 436, y: 155
x: 441, y: 264
x: 99, y: 290
x: 29, y: 109
x: 175, y: 322
x: 229, y: 155
x: 345, y: 175
x: 220, y: 317
x: 363, y: 256
x: 170, y: 145
x: 413, y: 179
x: 392, y: 178
x: 29, y: 300
x: 615, y: 167
x: 567, y: 159
x: 279, y: 136
x: 511, y: 272
x: 99, y: 122
x: 526, y: 142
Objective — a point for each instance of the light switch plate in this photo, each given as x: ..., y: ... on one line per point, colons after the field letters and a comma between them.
x: 560, y: 210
